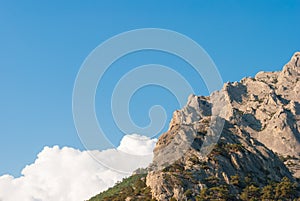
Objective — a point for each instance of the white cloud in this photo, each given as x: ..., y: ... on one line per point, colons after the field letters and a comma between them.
x: 61, y: 174
x: 136, y: 144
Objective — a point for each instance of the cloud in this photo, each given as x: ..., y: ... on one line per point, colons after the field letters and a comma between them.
x: 61, y: 174
x: 136, y: 144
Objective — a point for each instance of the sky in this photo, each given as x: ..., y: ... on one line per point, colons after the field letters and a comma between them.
x: 43, y: 45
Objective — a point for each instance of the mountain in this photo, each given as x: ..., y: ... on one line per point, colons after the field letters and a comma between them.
x: 240, y: 143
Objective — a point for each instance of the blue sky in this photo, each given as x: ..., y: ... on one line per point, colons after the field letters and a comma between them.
x: 43, y: 45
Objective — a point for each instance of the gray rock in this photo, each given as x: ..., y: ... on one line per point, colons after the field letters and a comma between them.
x: 256, y: 119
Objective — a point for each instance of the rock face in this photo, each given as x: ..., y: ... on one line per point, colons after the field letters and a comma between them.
x: 248, y: 129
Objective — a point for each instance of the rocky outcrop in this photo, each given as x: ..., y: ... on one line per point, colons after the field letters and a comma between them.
x: 249, y: 129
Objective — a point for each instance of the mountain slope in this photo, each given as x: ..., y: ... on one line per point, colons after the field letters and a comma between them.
x: 239, y: 143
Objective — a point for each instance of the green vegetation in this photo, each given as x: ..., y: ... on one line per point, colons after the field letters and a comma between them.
x: 225, y: 149
x: 250, y: 193
x: 284, y: 191
x: 188, y: 193
x: 235, y: 180
x: 276, y: 191
x: 133, y: 186
x: 220, y: 193
x: 174, y: 168
x: 239, y: 188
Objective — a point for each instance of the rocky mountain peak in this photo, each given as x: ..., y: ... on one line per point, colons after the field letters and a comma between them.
x: 295, y: 60
x: 260, y: 135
